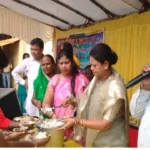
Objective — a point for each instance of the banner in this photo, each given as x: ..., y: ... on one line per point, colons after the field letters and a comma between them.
x: 82, y: 46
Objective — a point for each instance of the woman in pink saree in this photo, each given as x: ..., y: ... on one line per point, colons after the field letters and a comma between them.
x: 62, y: 91
x: 68, y: 85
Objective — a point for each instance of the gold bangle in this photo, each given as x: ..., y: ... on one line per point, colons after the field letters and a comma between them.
x: 76, y: 121
x: 82, y: 123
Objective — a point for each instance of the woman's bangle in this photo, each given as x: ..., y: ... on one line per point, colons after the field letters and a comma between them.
x: 76, y: 121
x: 82, y: 123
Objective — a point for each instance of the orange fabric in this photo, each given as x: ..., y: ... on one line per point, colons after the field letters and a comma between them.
x: 76, y: 60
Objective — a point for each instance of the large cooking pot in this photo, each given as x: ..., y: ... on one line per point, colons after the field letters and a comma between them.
x: 50, y: 126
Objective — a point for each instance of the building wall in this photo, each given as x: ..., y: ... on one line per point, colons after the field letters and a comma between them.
x: 14, y: 53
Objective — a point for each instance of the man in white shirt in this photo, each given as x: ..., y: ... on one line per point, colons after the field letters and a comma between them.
x: 140, y: 108
x: 30, y: 67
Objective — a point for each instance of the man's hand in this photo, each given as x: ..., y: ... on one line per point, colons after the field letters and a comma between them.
x: 26, y: 84
x: 145, y: 84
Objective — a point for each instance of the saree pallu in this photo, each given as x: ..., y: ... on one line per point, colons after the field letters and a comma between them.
x: 40, y: 85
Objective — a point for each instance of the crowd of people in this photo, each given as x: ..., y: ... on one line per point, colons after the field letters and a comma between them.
x: 93, y: 103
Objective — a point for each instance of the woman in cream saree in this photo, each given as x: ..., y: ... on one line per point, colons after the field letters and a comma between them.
x: 102, y: 111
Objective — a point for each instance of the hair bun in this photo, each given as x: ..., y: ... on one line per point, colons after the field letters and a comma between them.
x: 114, y: 58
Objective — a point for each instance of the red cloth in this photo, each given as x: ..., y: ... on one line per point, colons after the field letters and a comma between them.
x: 4, y: 122
x: 133, y: 136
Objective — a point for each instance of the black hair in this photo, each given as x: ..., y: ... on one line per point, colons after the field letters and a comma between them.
x: 68, y: 46
x: 52, y: 61
x: 3, y: 59
x: 74, y: 69
x: 25, y: 54
x: 102, y: 52
x: 37, y: 41
x: 51, y: 58
x: 88, y: 67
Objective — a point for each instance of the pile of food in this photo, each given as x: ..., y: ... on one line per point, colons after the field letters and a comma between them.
x: 39, y: 131
x: 26, y: 119
x: 36, y: 136
x: 46, y: 110
x: 20, y: 129
x: 50, y: 123
x: 27, y: 137
x: 41, y: 135
x: 29, y: 126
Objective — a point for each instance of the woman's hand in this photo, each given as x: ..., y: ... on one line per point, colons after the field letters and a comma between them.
x: 69, y: 122
x: 38, y: 104
x: 66, y: 102
x: 50, y: 114
x: 54, y: 116
x: 69, y: 101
